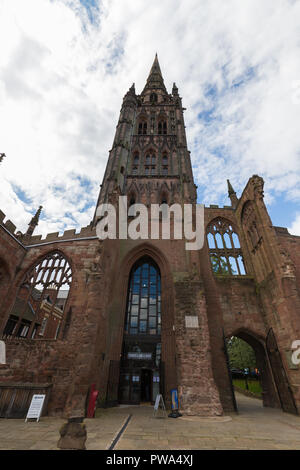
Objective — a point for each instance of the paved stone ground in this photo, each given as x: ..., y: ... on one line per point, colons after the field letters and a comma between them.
x: 254, y: 427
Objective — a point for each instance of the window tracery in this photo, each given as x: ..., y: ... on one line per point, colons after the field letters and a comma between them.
x: 41, y: 299
x: 224, y: 248
x: 144, y: 299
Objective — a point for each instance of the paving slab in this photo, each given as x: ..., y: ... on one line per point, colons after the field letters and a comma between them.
x: 253, y: 427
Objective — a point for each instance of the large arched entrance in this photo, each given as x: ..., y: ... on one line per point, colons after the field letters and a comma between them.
x: 269, y: 393
x: 141, y: 372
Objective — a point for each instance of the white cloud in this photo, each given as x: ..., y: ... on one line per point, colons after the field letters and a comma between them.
x: 62, y: 80
x: 294, y: 229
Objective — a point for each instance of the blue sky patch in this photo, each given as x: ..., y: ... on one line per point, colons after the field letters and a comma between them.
x: 90, y: 6
x: 21, y: 194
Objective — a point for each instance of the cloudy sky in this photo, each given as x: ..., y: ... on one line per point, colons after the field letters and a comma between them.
x: 65, y: 66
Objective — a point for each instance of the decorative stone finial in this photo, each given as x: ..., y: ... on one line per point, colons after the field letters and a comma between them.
x: 232, y: 195
x: 174, y: 89
x: 33, y: 223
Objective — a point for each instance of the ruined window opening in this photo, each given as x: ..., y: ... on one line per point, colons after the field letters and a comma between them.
x: 43, y: 292
x: 224, y: 249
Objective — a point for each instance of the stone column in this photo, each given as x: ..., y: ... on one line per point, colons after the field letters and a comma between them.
x: 198, y: 391
x: 86, y: 343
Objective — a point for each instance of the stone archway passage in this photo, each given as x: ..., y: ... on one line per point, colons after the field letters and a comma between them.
x: 269, y: 392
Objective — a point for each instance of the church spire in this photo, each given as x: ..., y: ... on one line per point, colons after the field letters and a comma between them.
x: 155, y: 79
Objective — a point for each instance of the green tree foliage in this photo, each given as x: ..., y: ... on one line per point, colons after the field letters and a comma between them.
x: 219, y: 265
x: 241, y: 355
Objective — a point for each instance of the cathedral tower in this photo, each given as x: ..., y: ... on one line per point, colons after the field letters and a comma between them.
x: 158, y: 310
x: 149, y: 160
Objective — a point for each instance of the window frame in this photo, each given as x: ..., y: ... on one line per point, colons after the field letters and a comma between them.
x: 220, y: 257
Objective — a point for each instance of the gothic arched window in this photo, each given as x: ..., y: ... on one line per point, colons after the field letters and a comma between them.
x: 150, y: 163
x: 143, y: 314
x: 136, y: 158
x: 162, y: 127
x: 41, y: 300
x: 224, y: 248
x: 142, y: 128
x: 135, y: 163
x: 165, y: 163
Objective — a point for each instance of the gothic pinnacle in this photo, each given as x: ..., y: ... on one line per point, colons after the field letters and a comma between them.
x: 174, y: 89
x: 34, y: 222
x: 232, y: 195
x: 230, y: 188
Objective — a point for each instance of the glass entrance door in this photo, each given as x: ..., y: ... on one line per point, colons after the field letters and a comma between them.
x: 130, y: 387
x: 146, y: 385
x: 138, y: 386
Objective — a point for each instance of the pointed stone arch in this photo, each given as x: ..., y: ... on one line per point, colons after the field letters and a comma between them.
x: 142, y: 123
x: 135, y: 162
x: 147, y: 250
x: 164, y: 194
x: 133, y: 194
x: 162, y: 123
x: 150, y: 159
x: 258, y: 343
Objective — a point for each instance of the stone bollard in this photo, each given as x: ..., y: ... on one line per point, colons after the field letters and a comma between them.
x: 73, y: 435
